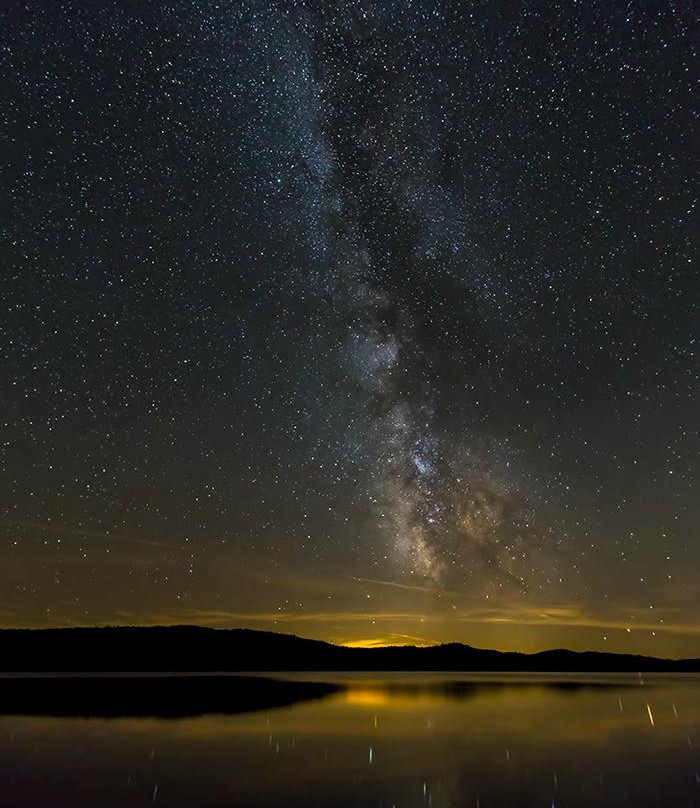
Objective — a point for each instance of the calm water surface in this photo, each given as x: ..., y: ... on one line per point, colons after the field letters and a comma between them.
x: 384, y: 740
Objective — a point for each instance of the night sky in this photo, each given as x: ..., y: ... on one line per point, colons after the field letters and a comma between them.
x: 364, y: 321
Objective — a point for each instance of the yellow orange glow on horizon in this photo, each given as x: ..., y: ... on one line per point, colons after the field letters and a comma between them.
x: 385, y: 642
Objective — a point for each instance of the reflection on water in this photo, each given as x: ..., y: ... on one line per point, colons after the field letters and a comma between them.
x: 382, y: 740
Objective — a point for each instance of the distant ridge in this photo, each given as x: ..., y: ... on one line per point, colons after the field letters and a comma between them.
x: 196, y: 648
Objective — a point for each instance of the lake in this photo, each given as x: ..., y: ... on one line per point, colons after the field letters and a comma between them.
x: 384, y: 740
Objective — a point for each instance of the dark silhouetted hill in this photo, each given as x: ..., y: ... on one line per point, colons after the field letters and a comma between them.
x: 193, y: 648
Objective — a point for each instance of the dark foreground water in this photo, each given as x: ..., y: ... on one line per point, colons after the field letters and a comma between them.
x: 379, y: 740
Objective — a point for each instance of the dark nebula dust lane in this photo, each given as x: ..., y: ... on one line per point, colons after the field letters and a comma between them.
x: 362, y: 320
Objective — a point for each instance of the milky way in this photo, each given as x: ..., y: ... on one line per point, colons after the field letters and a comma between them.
x: 444, y: 505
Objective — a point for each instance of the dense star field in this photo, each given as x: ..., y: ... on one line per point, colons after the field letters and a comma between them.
x: 367, y: 321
